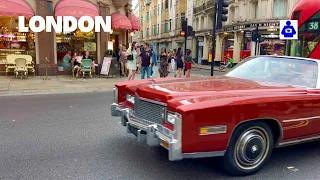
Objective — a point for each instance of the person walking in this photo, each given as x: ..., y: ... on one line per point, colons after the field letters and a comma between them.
x: 169, y: 54
x: 132, y: 61
x: 179, y: 56
x: 123, y: 61
x: 154, y: 59
x: 146, y: 61
x: 188, y: 61
x: 163, y: 68
x: 173, y: 61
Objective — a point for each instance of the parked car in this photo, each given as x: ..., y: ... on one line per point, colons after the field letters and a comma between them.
x: 263, y: 103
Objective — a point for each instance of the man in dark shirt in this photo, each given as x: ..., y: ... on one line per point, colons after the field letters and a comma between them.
x: 146, y: 61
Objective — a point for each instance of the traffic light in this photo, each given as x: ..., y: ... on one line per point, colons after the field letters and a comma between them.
x: 222, y: 12
x: 182, y: 33
x: 256, y: 37
x: 190, y: 31
x: 185, y: 26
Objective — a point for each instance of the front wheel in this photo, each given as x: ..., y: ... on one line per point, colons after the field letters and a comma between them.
x: 250, y: 148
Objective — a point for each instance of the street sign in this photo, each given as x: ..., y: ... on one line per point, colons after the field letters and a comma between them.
x: 288, y: 29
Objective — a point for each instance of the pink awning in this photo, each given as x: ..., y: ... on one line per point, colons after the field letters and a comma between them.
x: 15, y: 8
x: 76, y: 8
x: 135, y: 22
x: 120, y: 21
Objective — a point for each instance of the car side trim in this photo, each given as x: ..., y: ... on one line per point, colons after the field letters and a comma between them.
x: 299, y: 141
x: 203, y: 154
x: 301, y: 119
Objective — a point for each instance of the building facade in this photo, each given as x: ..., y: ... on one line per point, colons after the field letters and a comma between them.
x: 161, y: 23
x: 53, y: 46
x: 235, y: 37
x: 136, y: 11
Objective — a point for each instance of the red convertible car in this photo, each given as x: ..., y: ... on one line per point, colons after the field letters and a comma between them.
x: 263, y: 103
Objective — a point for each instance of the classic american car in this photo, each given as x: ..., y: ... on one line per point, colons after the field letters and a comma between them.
x: 263, y: 103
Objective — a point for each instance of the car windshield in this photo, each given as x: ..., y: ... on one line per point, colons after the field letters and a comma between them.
x: 299, y: 72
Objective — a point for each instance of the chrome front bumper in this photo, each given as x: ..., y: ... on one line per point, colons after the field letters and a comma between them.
x: 151, y: 133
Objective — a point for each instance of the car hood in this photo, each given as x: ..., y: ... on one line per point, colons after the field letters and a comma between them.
x: 216, y: 87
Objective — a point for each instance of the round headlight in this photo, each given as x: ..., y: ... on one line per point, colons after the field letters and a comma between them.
x: 171, y: 118
x: 130, y: 98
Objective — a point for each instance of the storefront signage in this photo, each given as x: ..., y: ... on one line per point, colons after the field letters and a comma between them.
x: 270, y: 36
x: 69, y: 24
x: 245, y: 26
x: 248, y: 34
x: 313, y: 25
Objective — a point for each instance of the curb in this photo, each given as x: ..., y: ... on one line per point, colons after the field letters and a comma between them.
x: 24, y: 92
x: 208, y: 69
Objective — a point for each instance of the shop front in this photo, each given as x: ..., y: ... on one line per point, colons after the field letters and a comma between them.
x: 237, y: 41
x: 77, y: 41
x: 12, y: 41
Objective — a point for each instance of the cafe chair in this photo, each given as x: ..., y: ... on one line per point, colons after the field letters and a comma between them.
x: 86, y: 67
x: 21, y: 67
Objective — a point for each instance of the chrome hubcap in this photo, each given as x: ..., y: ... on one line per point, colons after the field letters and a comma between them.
x: 251, y: 148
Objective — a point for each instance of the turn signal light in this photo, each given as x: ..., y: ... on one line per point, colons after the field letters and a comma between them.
x: 203, y: 131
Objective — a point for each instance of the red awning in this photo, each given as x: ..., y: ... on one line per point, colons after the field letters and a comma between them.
x: 135, y: 22
x: 120, y: 21
x: 15, y: 8
x: 76, y: 8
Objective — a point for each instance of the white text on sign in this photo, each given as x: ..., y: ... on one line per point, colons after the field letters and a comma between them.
x: 65, y: 24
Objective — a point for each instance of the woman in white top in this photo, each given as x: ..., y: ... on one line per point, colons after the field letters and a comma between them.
x: 132, y: 63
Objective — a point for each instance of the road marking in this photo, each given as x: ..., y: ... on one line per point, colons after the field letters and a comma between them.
x: 293, y: 168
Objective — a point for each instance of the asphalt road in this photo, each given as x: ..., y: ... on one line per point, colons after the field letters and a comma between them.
x: 73, y: 136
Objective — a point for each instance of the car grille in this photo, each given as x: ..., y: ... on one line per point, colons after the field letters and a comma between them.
x: 149, y: 111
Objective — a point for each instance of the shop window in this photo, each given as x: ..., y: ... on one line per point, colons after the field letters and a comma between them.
x: 177, y: 21
x: 13, y: 41
x: 183, y: 17
x: 166, y: 26
x: 148, y: 16
x: 154, y: 29
x: 158, y: 30
x: 255, y: 8
x: 280, y: 8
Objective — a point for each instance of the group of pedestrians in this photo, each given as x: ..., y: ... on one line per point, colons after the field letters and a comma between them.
x: 175, y: 61
x: 145, y: 58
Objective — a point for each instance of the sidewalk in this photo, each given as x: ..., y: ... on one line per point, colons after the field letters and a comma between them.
x: 60, y: 84
x: 207, y: 67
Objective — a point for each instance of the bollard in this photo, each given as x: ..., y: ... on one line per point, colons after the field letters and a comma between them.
x: 46, y: 78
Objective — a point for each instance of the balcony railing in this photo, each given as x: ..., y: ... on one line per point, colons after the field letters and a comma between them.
x: 204, y: 6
